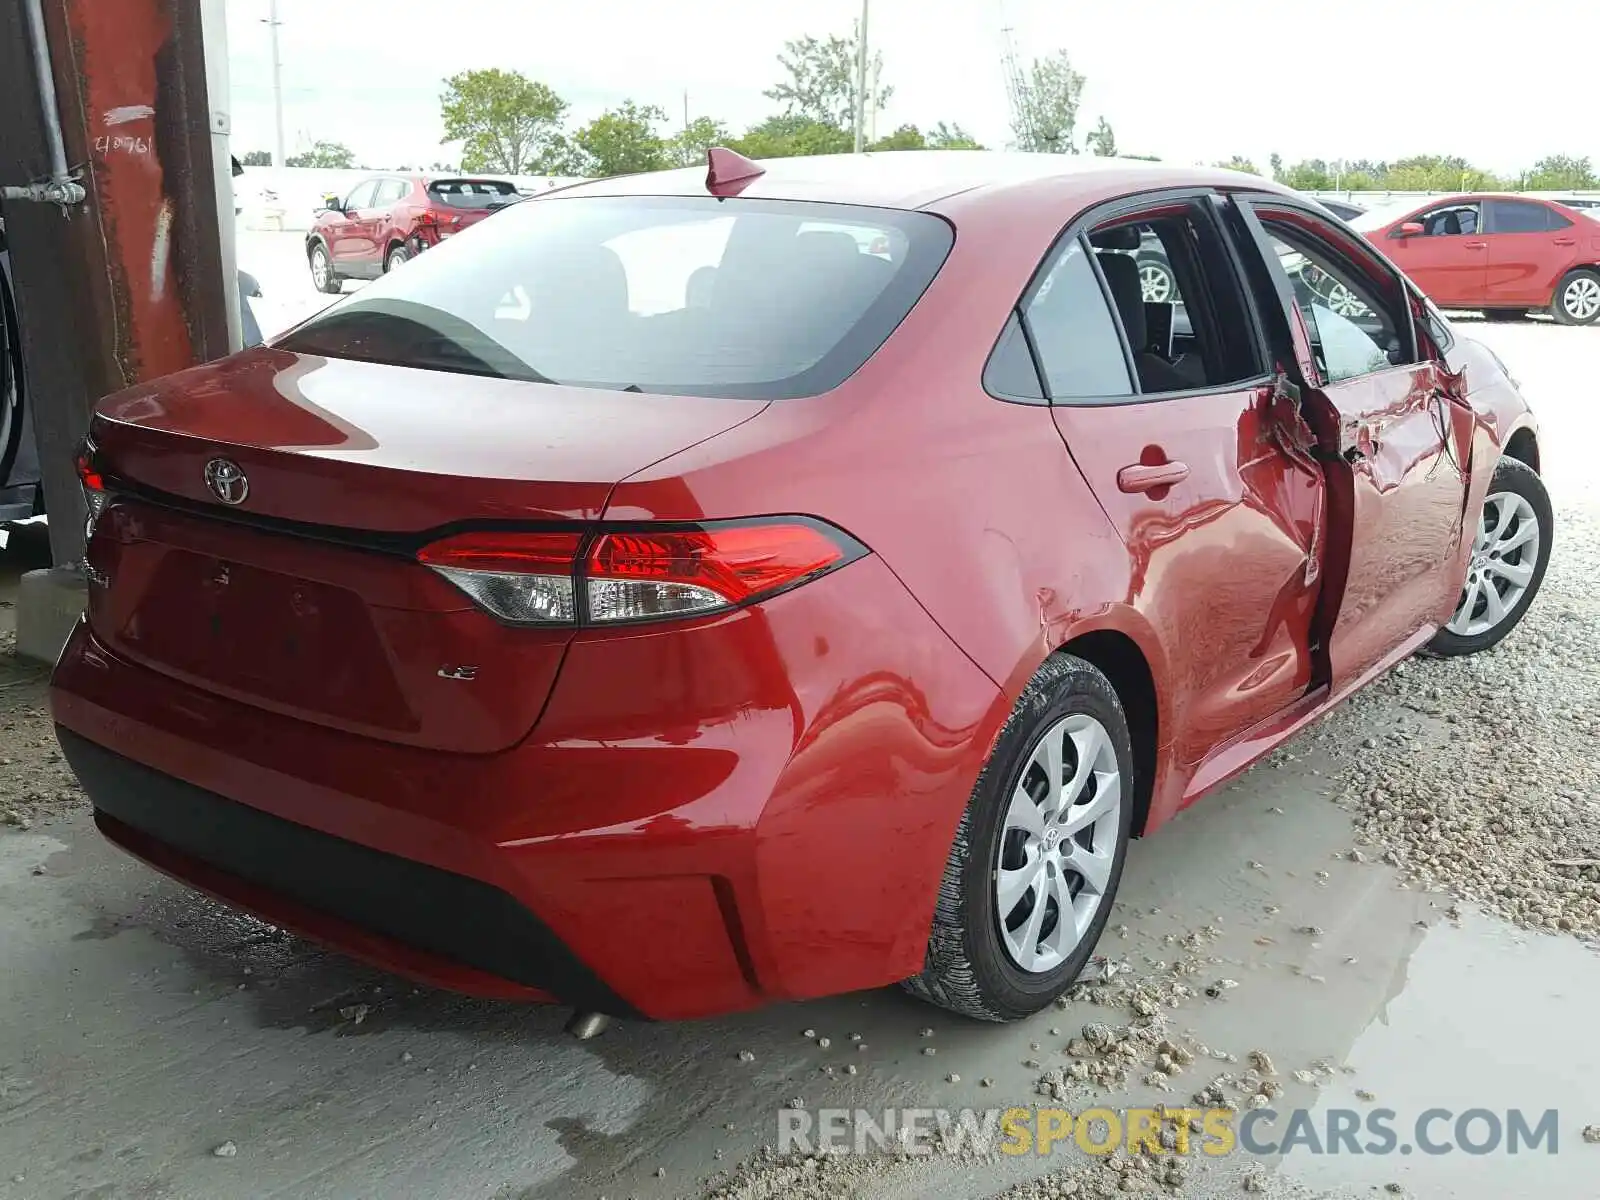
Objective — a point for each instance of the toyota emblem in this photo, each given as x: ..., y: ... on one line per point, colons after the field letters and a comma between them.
x: 227, y: 481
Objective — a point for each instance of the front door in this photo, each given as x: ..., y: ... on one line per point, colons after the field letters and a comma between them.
x: 1449, y: 259
x: 1391, y: 444
x: 345, y: 237
x: 1178, y: 439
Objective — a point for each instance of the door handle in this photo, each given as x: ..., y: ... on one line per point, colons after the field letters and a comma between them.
x: 1474, y: 245
x: 1142, y: 478
x: 1566, y: 241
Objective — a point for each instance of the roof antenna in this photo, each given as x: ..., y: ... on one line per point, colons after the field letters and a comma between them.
x: 725, y: 168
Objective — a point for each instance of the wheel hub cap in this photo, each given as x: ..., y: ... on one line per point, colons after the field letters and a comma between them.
x: 1059, y: 844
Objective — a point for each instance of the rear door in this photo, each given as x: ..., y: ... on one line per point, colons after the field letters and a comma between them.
x: 1530, y: 246
x: 1449, y: 259
x: 1392, y: 445
x: 1168, y: 410
x: 378, y: 226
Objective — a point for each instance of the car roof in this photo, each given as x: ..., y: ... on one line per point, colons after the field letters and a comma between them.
x: 910, y: 179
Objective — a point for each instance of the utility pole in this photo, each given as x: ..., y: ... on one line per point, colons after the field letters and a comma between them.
x: 861, y: 79
x: 272, y: 23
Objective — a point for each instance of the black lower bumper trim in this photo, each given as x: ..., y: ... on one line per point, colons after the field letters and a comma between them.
x: 455, y: 917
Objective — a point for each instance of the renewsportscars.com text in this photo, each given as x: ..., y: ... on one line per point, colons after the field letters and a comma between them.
x: 1210, y: 1131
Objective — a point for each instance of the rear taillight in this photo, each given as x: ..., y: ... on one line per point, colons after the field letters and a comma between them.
x: 95, y: 497
x: 524, y: 578
x: 442, y: 223
x: 636, y: 574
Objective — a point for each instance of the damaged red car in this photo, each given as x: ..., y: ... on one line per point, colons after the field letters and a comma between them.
x: 694, y: 590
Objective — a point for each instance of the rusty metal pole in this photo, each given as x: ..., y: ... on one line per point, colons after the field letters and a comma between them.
x: 128, y: 285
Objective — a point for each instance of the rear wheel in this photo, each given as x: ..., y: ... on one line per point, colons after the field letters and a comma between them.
x: 1577, y: 298
x: 322, y: 273
x: 1037, y: 858
x: 398, y: 257
x: 1510, y: 551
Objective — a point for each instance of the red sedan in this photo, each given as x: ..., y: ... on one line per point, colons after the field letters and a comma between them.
x: 659, y: 600
x: 1503, y: 255
x: 388, y: 219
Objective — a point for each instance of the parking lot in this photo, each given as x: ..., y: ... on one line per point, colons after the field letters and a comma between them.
x: 1405, y: 896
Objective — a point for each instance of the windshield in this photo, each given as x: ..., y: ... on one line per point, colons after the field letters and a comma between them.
x: 751, y: 298
x: 1384, y: 214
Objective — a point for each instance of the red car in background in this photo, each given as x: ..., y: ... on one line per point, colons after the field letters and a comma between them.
x: 388, y: 219
x: 1503, y: 255
x: 662, y: 600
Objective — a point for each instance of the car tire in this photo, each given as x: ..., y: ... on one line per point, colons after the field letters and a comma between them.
x: 1504, y: 314
x: 397, y: 257
x: 972, y: 965
x: 1516, y: 498
x: 323, y: 275
x: 1157, y: 284
x: 1577, y: 298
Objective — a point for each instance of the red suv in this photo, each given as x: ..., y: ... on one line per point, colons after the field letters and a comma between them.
x: 1502, y: 255
x: 390, y: 218
x: 656, y: 599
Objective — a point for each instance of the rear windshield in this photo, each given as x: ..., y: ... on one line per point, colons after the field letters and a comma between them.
x: 752, y: 298
x: 472, y: 193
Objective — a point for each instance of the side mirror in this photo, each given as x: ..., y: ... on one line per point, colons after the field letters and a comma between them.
x: 1410, y: 229
x: 334, y: 204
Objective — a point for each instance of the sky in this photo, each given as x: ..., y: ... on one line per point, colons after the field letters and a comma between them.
x: 1188, y: 80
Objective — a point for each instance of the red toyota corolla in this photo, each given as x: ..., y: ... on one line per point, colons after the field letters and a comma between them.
x: 660, y: 600
x: 1502, y: 255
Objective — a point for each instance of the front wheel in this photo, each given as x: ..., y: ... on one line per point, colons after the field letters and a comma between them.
x: 1510, y: 551
x: 322, y: 273
x: 1038, y: 855
x: 1577, y: 298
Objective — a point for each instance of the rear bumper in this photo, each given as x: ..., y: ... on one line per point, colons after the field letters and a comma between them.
x: 393, y: 911
x: 750, y: 809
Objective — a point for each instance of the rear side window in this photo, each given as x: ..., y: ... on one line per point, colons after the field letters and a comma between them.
x: 1078, y: 345
x: 472, y: 193
x: 1518, y: 216
x: 390, y: 192
x: 761, y: 299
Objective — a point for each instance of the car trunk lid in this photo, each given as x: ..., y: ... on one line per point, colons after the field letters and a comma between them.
x: 304, y: 596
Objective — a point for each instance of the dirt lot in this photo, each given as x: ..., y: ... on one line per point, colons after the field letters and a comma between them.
x: 1406, y: 898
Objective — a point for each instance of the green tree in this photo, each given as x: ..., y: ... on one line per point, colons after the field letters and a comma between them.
x: 785, y: 136
x: 1238, y: 163
x: 1047, y: 109
x: 1437, y: 173
x: 330, y: 155
x: 507, y: 122
x: 1309, y: 175
x: 821, y: 83
x: 907, y: 137
x: 688, y: 147
x: 1102, y: 140
x: 951, y: 137
x: 256, y: 158
x: 1275, y: 165
x: 622, y: 141
x: 1561, y: 173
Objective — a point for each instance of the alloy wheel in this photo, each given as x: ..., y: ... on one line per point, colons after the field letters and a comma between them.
x: 1059, y: 843
x: 1581, y: 297
x: 1155, y: 281
x: 1505, y: 552
x: 319, y: 270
